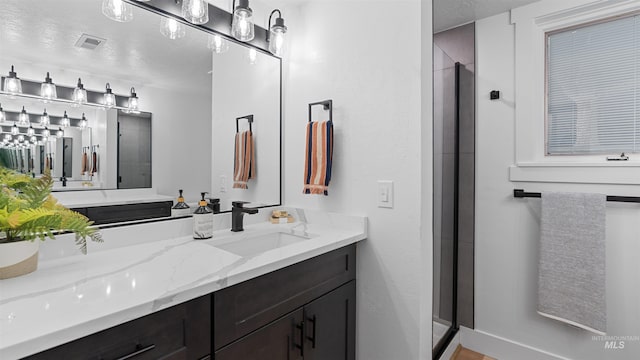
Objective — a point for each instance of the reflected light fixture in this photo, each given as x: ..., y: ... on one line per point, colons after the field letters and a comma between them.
x: 83, y: 122
x: 23, y: 118
x: 12, y: 84
x: 109, y: 97
x: 133, y: 101
x: 217, y: 44
x: 3, y: 115
x: 59, y: 133
x: 276, y: 34
x: 171, y: 28
x: 20, y: 138
x: 31, y: 131
x: 195, y: 11
x: 65, y: 120
x: 46, y: 133
x: 242, y: 23
x: 117, y: 10
x: 33, y: 139
x: 14, y: 129
x: 44, y: 120
x: 48, y: 89
x: 79, y: 94
x: 8, y: 137
x: 253, y: 56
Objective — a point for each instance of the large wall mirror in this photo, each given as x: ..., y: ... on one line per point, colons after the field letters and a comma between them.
x: 192, y: 103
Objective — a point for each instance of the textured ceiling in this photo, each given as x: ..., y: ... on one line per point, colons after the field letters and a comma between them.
x: 451, y: 13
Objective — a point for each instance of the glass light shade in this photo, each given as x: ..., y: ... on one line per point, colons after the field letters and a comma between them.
x: 171, y: 28
x: 242, y: 25
x: 59, y: 133
x: 33, y: 139
x: 83, y: 123
x: 218, y: 44
x: 14, y: 129
x: 20, y: 138
x: 65, y: 120
x: 117, y: 10
x: 79, y: 94
x: 45, y: 120
x: 12, y: 84
x: 109, y: 97
x: 277, y: 37
x: 48, y: 89
x: 31, y: 131
x: 133, y: 101
x: 16, y: 141
x: 195, y: 11
x: 253, y: 56
x: 46, y: 133
x: 8, y: 137
x: 23, y: 118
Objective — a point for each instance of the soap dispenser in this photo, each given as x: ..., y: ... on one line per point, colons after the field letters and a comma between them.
x: 180, y: 208
x: 203, y: 220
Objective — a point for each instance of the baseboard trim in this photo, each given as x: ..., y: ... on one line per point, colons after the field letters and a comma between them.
x: 451, y: 348
x: 501, y: 348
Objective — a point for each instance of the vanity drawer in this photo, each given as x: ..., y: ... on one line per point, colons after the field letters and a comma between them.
x: 245, y: 307
x: 180, y: 332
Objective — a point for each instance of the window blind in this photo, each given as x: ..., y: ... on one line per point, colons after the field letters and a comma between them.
x: 593, y: 95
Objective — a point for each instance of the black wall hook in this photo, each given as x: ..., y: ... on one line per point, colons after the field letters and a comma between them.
x: 249, y: 119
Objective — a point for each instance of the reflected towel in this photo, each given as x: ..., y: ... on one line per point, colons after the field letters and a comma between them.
x: 244, y: 160
x: 83, y: 166
x: 571, y: 274
x: 318, y: 157
x: 94, y: 163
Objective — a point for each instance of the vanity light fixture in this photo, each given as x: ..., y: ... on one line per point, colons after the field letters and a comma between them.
x: 217, y: 44
x: 59, y: 133
x: 276, y: 34
x: 48, y: 89
x: 20, y: 138
x: 65, y: 120
x: 3, y: 115
x: 31, y: 131
x: 33, y: 139
x: 46, y: 133
x: 171, y: 28
x: 109, y: 97
x: 12, y: 84
x: 133, y: 101
x: 83, y: 122
x: 253, y: 56
x: 14, y: 129
x: 195, y: 11
x: 45, y: 120
x: 7, y: 137
x: 117, y: 10
x: 23, y: 118
x: 242, y: 24
x: 79, y: 94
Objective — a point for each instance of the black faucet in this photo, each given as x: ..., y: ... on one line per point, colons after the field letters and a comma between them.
x: 64, y: 180
x: 237, y: 213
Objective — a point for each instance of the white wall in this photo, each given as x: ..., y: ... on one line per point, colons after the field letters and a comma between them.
x: 507, y: 229
x: 345, y: 51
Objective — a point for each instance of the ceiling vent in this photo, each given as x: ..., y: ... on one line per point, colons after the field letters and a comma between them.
x: 90, y: 42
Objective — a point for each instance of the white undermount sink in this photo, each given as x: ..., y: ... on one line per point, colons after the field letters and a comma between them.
x: 260, y: 243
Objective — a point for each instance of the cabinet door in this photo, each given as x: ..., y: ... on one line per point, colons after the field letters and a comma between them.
x: 280, y: 340
x: 330, y: 323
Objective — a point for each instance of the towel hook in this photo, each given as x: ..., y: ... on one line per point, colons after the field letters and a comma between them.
x: 326, y: 105
x: 249, y: 119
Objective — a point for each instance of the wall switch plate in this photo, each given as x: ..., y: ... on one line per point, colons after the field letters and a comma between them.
x: 385, y: 193
x: 223, y: 183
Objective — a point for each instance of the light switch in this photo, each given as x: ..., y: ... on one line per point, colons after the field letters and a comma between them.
x: 385, y: 193
x: 223, y: 183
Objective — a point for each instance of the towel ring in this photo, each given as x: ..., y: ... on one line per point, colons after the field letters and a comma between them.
x: 326, y: 104
x: 249, y: 119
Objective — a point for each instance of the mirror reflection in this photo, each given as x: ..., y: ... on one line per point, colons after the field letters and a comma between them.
x: 189, y: 89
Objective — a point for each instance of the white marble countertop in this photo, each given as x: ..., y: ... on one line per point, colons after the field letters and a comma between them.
x: 73, y: 296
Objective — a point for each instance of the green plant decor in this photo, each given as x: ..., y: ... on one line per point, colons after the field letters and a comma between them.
x: 29, y: 212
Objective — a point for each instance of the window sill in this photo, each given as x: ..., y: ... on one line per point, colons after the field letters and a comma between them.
x: 620, y: 173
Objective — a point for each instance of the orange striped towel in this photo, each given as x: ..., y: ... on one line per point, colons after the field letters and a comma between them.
x: 318, y: 157
x: 244, y: 160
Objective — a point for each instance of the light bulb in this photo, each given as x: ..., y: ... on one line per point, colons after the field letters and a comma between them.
x: 117, y: 10
x: 79, y: 94
x: 46, y: 133
x: 44, y: 120
x: 14, y: 129
x: 276, y: 37
x: 20, y: 138
x: 33, y: 139
x: 65, y: 120
x: 59, y: 133
x: 171, y: 28
x: 133, y: 101
x: 12, y: 84
x: 31, y: 131
x: 217, y: 44
x: 242, y: 26
x: 23, y: 118
x: 253, y: 56
x: 195, y: 11
x: 109, y: 97
x: 48, y: 89
x: 83, y: 122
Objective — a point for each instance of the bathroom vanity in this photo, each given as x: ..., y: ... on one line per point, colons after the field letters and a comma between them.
x: 284, y: 290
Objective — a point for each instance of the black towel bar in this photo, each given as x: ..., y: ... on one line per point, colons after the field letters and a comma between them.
x: 249, y: 119
x: 519, y: 193
x: 326, y: 104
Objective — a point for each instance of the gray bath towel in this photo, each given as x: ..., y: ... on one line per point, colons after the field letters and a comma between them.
x: 571, y: 274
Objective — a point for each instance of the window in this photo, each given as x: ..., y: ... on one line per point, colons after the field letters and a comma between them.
x: 593, y: 88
